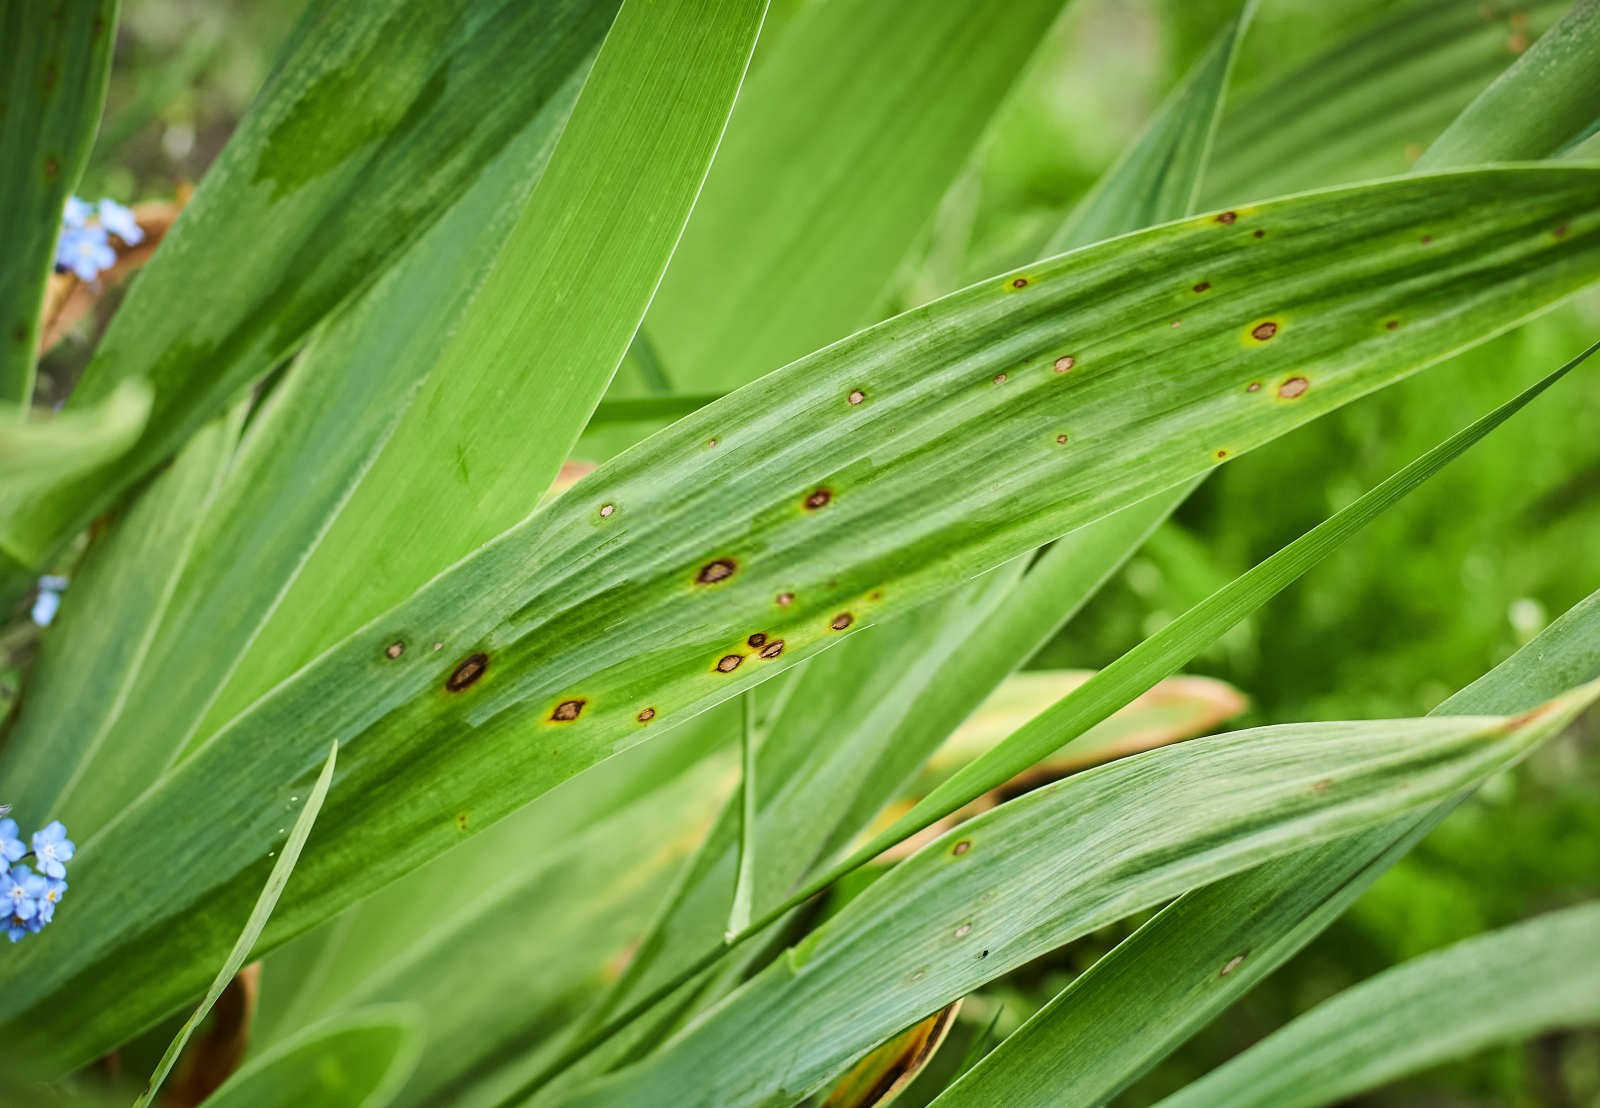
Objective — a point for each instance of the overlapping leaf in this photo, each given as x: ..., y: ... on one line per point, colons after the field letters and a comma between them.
x: 1035, y: 873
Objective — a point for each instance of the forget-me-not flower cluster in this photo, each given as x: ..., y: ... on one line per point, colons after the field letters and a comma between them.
x: 28, y: 898
x: 85, y: 244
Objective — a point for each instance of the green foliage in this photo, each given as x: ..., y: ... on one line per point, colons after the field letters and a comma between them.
x: 718, y: 661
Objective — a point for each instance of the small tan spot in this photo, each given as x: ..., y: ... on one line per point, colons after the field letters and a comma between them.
x: 606, y: 510
x: 1202, y: 286
x: 757, y: 639
x: 568, y: 710
x: 719, y: 570
x: 785, y: 599
x: 842, y: 620
x: 1293, y: 387
x: 1227, y: 217
x: 646, y: 716
x: 1253, y: 386
x: 1264, y: 331
x: 1322, y: 786
x: 999, y: 378
x: 1061, y: 440
x: 1233, y: 963
x: 964, y: 930
x: 1391, y: 325
x: 1176, y: 324
x: 394, y: 649
x: 961, y: 847
x: 438, y: 646
x: 711, y: 442
x: 1020, y: 283
x: 729, y: 662
x: 1221, y: 454
x: 467, y: 672
x: 1065, y: 363
x: 857, y: 396
x: 818, y: 499
x: 772, y: 649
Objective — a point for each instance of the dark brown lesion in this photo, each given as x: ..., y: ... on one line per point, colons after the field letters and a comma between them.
x: 772, y: 649
x: 818, y: 499
x: 729, y: 662
x: 719, y: 570
x: 467, y: 673
x: 567, y: 711
x: 757, y: 639
x: 841, y: 621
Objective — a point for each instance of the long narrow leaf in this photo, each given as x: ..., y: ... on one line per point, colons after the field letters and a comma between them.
x: 276, y: 880
x: 58, y: 59
x: 356, y: 1061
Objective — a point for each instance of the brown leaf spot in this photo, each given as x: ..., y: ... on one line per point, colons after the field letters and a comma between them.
x: 1258, y: 234
x: 712, y: 572
x: 1322, y: 786
x: 841, y: 621
x: 711, y: 442
x: 1227, y: 217
x: 1233, y: 963
x: 1253, y: 386
x: 394, y: 649
x: 1019, y: 283
x: 772, y: 649
x: 1061, y: 440
x: 818, y: 499
x: 1425, y: 239
x: 1560, y: 232
x: 1176, y: 324
x: 646, y: 716
x: 438, y: 646
x: 1202, y: 286
x: 1517, y: 42
x: 462, y: 819
x: 606, y: 510
x: 857, y: 396
x: 757, y: 639
x: 1221, y: 454
x: 1261, y: 332
x: 729, y: 662
x: 1065, y: 363
x: 567, y: 711
x: 1293, y: 387
x: 467, y: 672
x: 961, y: 847
x: 785, y: 599
x: 964, y: 930
x: 999, y: 378
x: 1391, y: 325
x: 51, y: 167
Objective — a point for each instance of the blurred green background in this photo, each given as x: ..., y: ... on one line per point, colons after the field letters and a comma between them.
x: 1440, y: 590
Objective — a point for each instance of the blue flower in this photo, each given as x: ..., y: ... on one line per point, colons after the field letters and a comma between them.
x: 46, y: 904
x: 85, y: 251
x: 52, y: 848
x: 11, y: 847
x: 45, y: 606
x: 20, y: 891
x: 76, y: 212
x: 120, y: 222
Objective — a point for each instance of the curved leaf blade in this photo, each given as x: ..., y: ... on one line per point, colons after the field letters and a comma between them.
x: 355, y: 1061
x: 1054, y: 864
